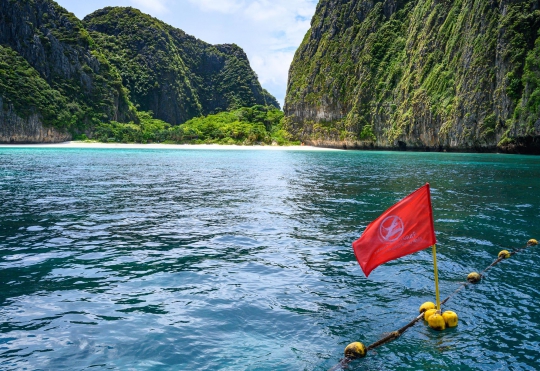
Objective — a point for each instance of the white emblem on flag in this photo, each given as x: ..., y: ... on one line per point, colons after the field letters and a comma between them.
x: 391, y: 229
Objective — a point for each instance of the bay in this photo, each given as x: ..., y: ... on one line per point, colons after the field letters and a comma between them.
x: 129, y: 259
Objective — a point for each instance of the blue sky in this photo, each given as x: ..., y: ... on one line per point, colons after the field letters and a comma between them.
x: 269, y: 31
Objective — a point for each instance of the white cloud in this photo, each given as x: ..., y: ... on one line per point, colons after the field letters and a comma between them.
x: 223, y: 6
x: 269, y: 31
x: 157, y: 6
x: 273, y: 68
x: 261, y: 11
x: 281, y: 25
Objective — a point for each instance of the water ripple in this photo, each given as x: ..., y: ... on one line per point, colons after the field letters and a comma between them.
x: 242, y: 260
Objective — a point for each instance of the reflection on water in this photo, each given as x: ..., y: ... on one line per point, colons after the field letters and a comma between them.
x: 242, y: 260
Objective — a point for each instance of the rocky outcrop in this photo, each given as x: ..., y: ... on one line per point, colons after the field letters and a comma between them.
x: 428, y: 74
x: 56, y: 44
x: 16, y: 130
x: 170, y: 73
x: 57, y: 79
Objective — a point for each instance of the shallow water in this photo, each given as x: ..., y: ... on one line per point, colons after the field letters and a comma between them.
x: 242, y: 260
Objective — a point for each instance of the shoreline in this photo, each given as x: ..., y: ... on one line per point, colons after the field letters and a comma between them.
x: 234, y: 147
x: 97, y: 145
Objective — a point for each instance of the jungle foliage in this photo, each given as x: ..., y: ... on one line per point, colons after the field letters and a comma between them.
x: 173, y: 74
x: 243, y: 126
x: 23, y: 87
x: 119, y: 75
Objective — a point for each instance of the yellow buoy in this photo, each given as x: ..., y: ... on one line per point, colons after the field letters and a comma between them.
x: 504, y: 254
x: 450, y: 318
x: 436, y: 322
x: 428, y: 313
x: 532, y: 242
x: 474, y: 277
x: 427, y: 305
x: 355, y: 350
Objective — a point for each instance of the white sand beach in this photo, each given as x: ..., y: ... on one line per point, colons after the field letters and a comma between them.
x: 78, y: 144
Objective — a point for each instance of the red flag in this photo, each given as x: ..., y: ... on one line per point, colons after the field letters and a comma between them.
x: 403, y: 229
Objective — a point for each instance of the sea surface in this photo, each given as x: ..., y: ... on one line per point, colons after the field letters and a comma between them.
x: 129, y: 259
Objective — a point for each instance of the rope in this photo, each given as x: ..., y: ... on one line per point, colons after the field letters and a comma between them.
x: 344, y: 363
x: 500, y: 259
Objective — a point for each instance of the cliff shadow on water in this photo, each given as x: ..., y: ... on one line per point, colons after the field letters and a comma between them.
x: 419, y: 75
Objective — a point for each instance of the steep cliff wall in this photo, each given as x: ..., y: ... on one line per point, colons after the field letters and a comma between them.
x: 56, y: 80
x: 170, y: 73
x: 55, y: 55
x: 26, y: 102
x: 15, y: 129
x: 427, y: 74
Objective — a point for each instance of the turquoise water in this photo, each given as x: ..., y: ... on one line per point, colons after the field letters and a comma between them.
x: 242, y: 260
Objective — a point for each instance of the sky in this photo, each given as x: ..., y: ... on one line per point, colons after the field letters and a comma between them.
x: 269, y: 31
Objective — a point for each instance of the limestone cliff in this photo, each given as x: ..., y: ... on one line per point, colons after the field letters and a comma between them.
x: 15, y: 129
x: 66, y: 82
x: 170, y: 73
x: 426, y: 74
x: 57, y: 80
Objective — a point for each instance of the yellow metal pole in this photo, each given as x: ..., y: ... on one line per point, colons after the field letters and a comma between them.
x: 436, y: 278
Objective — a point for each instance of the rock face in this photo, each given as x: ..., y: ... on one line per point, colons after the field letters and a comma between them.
x: 55, y: 44
x: 427, y: 74
x: 170, y: 73
x: 14, y: 129
x: 57, y: 80
x: 29, y: 101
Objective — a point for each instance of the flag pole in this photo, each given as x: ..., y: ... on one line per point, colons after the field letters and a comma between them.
x: 436, y: 278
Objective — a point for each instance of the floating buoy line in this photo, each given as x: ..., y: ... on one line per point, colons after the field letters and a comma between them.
x: 428, y: 311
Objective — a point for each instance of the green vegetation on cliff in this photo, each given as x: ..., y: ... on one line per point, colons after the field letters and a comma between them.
x: 243, y: 126
x: 424, y: 74
x: 66, y: 80
x: 57, y: 73
x: 170, y: 73
x: 528, y: 109
x: 23, y: 87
